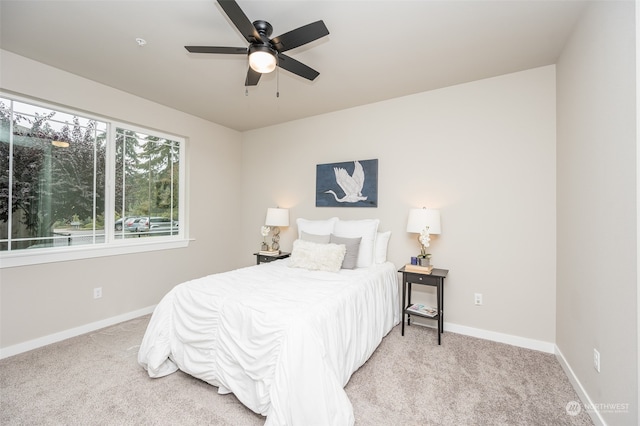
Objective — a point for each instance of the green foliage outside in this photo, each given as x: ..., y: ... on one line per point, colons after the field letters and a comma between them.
x: 64, y: 187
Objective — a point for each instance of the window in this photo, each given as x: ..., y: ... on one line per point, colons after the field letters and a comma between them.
x: 147, y: 170
x: 69, y: 182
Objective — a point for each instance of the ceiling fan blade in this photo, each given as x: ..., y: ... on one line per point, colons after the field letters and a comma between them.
x: 217, y: 49
x: 240, y: 20
x: 296, y: 67
x: 253, y: 77
x: 300, y: 36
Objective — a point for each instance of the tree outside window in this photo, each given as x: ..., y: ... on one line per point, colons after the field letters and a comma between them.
x: 53, y: 180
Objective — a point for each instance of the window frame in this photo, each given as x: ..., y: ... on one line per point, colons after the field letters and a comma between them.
x: 111, y: 246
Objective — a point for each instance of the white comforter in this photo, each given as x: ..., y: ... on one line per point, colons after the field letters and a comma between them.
x: 284, y: 340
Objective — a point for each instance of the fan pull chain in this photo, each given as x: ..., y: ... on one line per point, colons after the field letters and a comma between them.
x: 277, y: 77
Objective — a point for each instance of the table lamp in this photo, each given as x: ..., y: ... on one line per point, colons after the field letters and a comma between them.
x: 424, y: 222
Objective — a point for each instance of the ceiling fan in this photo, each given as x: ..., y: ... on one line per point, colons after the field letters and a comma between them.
x: 265, y: 53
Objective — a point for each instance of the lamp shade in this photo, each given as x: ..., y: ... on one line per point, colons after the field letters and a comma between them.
x: 421, y: 218
x: 277, y: 217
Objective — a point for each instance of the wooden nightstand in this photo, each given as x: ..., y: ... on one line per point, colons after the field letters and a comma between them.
x: 436, y: 279
x: 263, y: 258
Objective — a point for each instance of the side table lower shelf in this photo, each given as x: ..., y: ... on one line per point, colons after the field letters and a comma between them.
x: 408, y: 312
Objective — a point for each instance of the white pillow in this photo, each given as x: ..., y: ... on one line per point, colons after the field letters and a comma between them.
x: 380, y: 250
x: 317, y: 227
x: 317, y: 257
x: 366, y: 229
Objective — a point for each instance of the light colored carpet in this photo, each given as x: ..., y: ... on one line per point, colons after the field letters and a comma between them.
x: 95, y: 379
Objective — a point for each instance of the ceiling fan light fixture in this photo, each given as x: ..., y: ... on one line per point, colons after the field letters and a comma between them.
x: 264, y: 54
x: 262, y: 59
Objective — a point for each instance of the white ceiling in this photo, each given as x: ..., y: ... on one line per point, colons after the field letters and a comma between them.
x: 376, y: 50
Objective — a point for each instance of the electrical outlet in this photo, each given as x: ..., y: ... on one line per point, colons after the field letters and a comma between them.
x: 477, y: 297
x: 97, y: 292
x: 596, y: 360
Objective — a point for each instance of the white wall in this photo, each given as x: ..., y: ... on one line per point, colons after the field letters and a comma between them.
x: 38, y: 301
x: 483, y: 153
x: 597, y: 216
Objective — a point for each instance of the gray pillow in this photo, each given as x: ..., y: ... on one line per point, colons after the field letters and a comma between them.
x: 350, y: 260
x: 319, y: 239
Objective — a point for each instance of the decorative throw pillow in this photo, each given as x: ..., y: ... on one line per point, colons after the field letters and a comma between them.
x: 314, y: 238
x: 317, y: 227
x: 380, y: 251
x: 366, y: 229
x: 317, y: 257
x: 353, y: 245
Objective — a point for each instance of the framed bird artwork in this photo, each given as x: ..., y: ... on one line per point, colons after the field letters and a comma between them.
x: 347, y: 184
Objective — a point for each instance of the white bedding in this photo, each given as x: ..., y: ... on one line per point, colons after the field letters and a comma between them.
x: 284, y: 340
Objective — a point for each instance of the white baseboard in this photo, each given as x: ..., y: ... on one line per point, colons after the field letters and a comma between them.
x: 582, y: 393
x: 509, y: 339
x: 73, y: 332
x: 87, y: 328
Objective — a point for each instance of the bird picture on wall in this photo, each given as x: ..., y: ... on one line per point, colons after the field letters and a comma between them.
x: 348, y: 184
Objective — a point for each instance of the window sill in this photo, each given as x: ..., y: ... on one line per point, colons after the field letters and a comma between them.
x: 38, y: 257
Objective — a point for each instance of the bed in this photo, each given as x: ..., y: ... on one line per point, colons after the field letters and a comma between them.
x: 284, y: 338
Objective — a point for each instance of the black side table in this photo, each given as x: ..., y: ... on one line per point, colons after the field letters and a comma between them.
x: 263, y: 258
x: 435, y: 279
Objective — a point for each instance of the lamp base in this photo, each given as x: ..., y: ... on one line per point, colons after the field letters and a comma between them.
x: 275, y: 240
